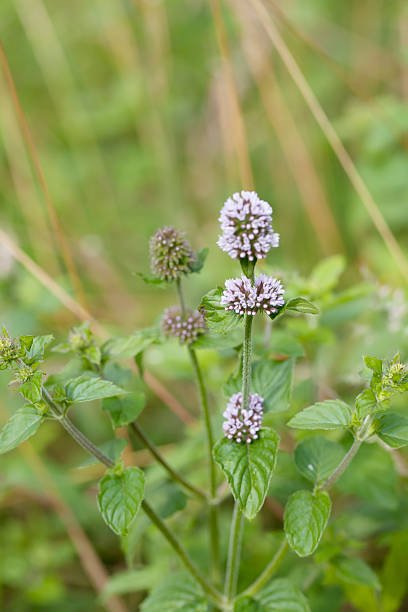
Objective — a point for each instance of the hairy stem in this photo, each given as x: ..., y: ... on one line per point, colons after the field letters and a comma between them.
x: 87, y: 445
x: 214, y: 539
x: 269, y: 570
x: 234, y: 553
x: 159, y: 457
x: 213, y: 518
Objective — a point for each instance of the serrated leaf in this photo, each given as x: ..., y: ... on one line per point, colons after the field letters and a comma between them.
x: 201, y: 256
x: 316, y: 458
x: 130, y: 346
x: 392, y: 429
x: 306, y: 517
x: 176, y: 593
x: 86, y: 388
x: 282, y: 596
x: 119, y: 498
x: 218, y: 319
x: 301, y: 304
x: 31, y: 389
x: 249, y: 468
x: 112, y: 449
x: 273, y: 380
x: 356, y: 571
x: 21, y: 426
x: 374, y: 364
x: 124, y: 410
x: 38, y: 346
x: 366, y: 403
x: 330, y: 414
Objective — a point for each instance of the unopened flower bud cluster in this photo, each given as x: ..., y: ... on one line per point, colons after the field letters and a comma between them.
x: 171, y: 255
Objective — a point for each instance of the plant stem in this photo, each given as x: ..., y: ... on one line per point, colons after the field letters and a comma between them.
x: 157, y: 455
x: 175, y: 543
x: 234, y: 553
x: 87, y: 445
x: 247, y: 361
x: 343, y: 465
x: 268, y: 571
x: 211, y: 463
x: 213, y: 519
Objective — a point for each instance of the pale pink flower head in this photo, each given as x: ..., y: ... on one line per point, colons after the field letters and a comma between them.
x: 241, y: 296
x: 243, y: 425
x: 246, y: 227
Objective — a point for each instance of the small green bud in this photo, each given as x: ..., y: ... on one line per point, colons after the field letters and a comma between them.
x: 10, y: 350
x: 24, y: 374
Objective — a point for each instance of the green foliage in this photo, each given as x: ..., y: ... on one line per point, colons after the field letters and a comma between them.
x: 176, y: 593
x: 249, y: 468
x: 119, y: 498
x: 356, y: 571
x: 131, y: 346
x: 273, y: 380
x: 316, y: 458
x: 306, y: 517
x: 87, y: 388
x: 22, y: 425
x: 330, y: 414
x: 124, y: 410
x: 279, y: 596
x: 393, y: 429
x: 218, y: 320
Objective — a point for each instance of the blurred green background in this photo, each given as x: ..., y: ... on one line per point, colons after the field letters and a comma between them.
x: 144, y: 113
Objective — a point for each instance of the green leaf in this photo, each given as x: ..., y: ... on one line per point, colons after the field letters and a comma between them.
x: 248, y: 604
x: 119, y: 498
x: 176, y: 593
x: 374, y: 364
x: 38, y: 346
x: 201, y: 256
x: 356, y: 571
x: 31, y: 389
x: 167, y: 499
x: 366, y: 403
x: 124, y: 410
x: 21, y: 426
x: 218, y: 319
x: 306, y: 517
x: 326, y: 274
x: 394, y: 574
x: 282, y: 596
x: 330, y: 414
x: 133, y: 580
x: 213, y: 340
x: 130, y: 346
x: 86, y: 388
x: 301, y: 304
x: 153, y: 280
x: 273, y: 380
x: 392, y: 429
x: 112, y: 449
x: 279, y: 596
x: 249, y: 468
x: 316, y: 458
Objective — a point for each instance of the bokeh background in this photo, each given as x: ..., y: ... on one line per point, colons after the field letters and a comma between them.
x: 120, y: 116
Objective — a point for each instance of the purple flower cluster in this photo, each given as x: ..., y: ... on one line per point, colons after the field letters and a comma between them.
x: 246, y: 227
x: 243, y: 425
x: 186, y: 328
x: 171, y: 255
x: 241, y: 296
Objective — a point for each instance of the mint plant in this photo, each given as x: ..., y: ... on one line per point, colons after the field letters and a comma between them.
x: 246, y: 450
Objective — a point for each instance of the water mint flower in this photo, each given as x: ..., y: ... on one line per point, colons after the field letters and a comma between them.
x: 246, y: 227
x: 241, y: 296
x: 243, y: 425
x: 186, y: 328
x: 171, y: 255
